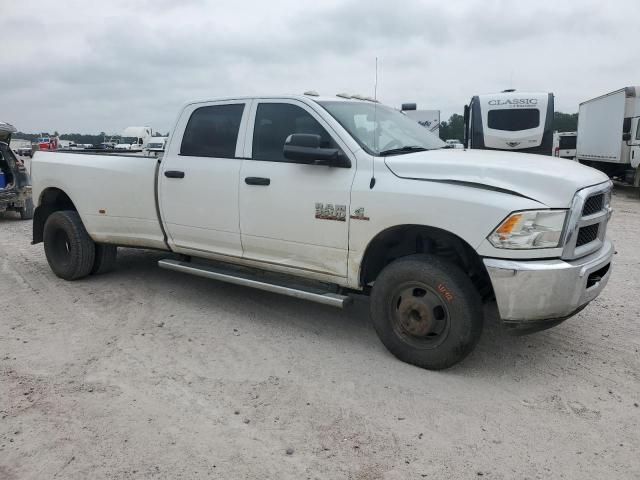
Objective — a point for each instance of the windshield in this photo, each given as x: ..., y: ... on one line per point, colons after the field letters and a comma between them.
x: 381, y: 130
x: 568, y: 142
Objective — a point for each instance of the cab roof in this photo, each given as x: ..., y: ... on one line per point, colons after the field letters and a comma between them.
x: 303, y: 98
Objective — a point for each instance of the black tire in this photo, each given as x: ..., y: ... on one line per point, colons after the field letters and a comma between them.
x: 26, y: 212
x: 105, y: 259
x: 426, y: 311
x: 67, y: 245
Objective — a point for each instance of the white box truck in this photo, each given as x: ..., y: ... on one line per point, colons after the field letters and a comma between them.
x: 609, y: 134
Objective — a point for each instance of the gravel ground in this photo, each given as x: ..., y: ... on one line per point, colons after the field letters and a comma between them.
x: 146, y: 373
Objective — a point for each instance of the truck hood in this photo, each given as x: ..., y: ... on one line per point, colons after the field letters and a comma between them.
x: 548, y: 180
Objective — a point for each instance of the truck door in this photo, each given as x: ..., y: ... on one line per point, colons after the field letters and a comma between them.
x: 198, y: 179
x: 293, y: 214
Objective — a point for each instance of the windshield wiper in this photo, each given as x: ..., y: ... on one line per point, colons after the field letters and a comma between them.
x: 401, y: 150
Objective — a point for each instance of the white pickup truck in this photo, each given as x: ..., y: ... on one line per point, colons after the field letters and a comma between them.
x: 322, y: 198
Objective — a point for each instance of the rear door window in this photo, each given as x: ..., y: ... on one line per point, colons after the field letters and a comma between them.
x: 513, y: 120
x: 212, y: 131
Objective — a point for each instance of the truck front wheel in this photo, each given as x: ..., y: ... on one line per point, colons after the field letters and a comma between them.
x: 67, y: 245
x: 426, y: 311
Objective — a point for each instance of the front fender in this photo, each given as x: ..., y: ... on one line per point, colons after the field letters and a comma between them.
x: 465, y: 212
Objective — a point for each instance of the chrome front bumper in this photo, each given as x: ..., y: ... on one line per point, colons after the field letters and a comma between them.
x: 534, y: 291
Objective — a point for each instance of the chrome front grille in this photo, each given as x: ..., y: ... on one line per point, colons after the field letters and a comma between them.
x: 594, y: 204
x: 587, y: 224
x: 587, y: 234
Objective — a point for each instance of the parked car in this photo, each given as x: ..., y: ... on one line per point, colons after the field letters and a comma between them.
x: 454, y: 143
x: 155, y: 146
x: 101, y: 146
x: 321, y: 198
x: 25, y: 151
x: 15, y: 183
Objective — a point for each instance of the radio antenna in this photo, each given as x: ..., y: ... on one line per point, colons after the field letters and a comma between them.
x: 375, y: 128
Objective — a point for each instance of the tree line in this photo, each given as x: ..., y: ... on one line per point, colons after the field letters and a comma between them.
x: 83, y: 138
x: 454, y: 127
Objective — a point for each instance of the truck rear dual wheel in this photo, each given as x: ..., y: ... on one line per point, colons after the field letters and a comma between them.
x: 105, y: 259
x: 71, y: 253
x: 67, y: 245
x: 426, y: 311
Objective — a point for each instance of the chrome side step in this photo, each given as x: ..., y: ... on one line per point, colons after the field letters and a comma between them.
x: 229, y: 276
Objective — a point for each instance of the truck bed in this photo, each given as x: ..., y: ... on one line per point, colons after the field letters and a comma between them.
x: 115, y: 195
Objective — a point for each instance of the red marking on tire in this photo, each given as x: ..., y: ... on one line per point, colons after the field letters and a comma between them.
x: 445, y: 292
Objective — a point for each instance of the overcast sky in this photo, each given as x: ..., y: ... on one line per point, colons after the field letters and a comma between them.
x: 85, y: 66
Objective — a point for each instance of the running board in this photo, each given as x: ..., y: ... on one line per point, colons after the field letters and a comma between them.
x: 206, y: 271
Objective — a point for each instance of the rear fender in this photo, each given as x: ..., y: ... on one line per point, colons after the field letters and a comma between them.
x: 51, y: 200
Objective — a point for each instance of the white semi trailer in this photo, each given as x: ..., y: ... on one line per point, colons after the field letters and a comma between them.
x: 609, y: 134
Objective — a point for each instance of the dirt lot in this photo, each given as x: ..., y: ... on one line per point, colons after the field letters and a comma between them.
x: 145, y: 373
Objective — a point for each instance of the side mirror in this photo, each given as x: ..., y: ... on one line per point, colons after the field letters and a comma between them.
x: 626, y: 137
x: 305, y: 148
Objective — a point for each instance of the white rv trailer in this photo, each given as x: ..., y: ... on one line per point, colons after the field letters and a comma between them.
x: 609, y: 134
x: 510, y: 120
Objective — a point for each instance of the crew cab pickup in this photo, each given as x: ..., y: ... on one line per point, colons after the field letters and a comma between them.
x: 322, y: 198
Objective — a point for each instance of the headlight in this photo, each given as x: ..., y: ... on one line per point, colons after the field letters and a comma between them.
x: 530, y: 229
